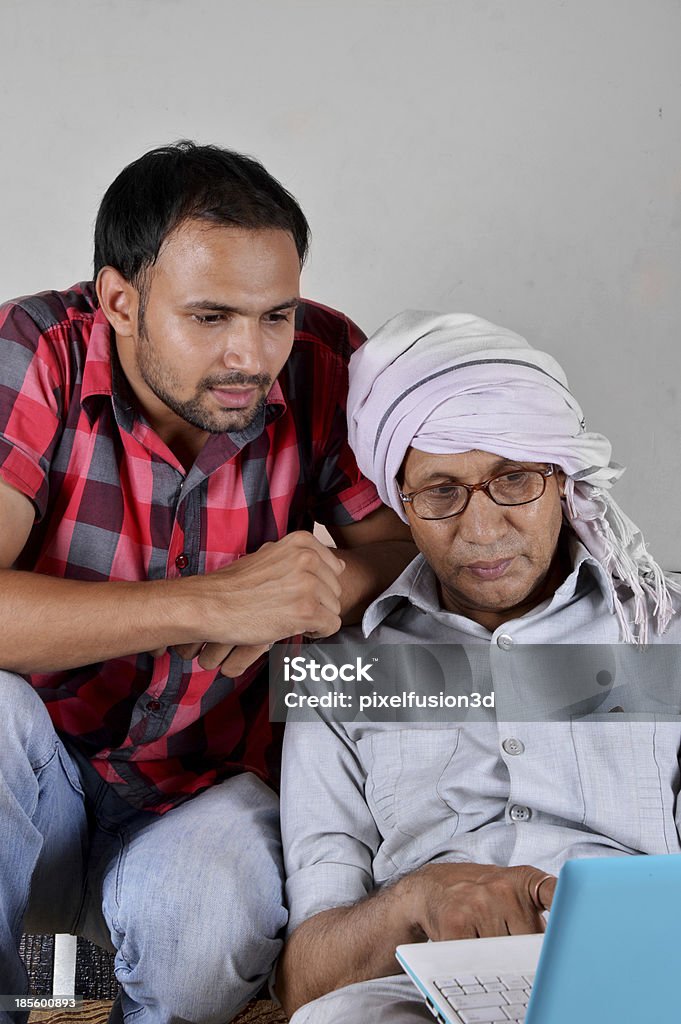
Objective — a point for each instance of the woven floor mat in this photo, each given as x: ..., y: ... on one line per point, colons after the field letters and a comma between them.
x: 91, y: 1012
x: 95, y: 978
x: 261, y: 1011
x: 37, y: 952
x: 96, y: 981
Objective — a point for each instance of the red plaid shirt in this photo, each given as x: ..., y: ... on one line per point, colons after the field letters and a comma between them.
x: 113, y: 503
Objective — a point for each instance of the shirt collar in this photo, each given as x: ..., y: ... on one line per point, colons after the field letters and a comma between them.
x: 418, y: 585
x: 97, y: 376
x: 276, y: 398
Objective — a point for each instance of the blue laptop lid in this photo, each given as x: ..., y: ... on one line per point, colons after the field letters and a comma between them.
x: 611, y: 950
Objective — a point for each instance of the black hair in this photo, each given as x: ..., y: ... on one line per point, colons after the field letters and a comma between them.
x: 153, y: 195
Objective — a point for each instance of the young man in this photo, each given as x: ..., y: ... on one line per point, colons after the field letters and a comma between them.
x: 168, y: 435
x: 401, y: 832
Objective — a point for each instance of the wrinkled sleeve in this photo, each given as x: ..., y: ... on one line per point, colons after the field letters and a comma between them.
x: 342, y: 495
x: 30, y: 405
x: 329, y: 835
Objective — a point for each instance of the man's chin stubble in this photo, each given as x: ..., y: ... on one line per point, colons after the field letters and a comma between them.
x: 224, y: 421
x: 228, y: 420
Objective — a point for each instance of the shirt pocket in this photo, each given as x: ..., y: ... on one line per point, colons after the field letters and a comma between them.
x: 406, y: 771
x: 629, y: 775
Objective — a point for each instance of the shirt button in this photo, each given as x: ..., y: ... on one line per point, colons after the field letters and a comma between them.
x: 182, y: 561
x: 153, y: 705
x: 505, y: 641
x: 520, y: 813
x: 513, y: 746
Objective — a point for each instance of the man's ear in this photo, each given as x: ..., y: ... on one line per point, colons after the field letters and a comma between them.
x: 560, y: 477
x: 119, y: 301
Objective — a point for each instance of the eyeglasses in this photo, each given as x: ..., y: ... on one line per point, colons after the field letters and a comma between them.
x: 514, y: 487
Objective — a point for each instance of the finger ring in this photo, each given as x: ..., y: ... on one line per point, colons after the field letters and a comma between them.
x: 534, y: 891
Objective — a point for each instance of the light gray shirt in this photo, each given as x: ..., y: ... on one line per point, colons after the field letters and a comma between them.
x: 364, y: 802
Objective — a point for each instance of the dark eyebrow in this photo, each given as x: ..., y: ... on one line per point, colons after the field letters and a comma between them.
x: 220, y: 307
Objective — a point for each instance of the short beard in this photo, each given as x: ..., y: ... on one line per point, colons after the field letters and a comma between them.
x: 192, y: 411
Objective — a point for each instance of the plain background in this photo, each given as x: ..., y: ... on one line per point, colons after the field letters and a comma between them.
x: 519, y: 159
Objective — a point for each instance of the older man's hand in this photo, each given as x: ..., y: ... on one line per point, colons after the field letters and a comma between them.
x: 465, y: 901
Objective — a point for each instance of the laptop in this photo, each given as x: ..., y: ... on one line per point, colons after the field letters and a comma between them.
x: 610, y: 954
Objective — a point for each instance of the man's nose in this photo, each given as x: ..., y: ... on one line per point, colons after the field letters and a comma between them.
x: 244, y: 346
x: 483, y: 521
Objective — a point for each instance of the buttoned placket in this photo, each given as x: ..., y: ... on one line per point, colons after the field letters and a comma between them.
x: 156, y: 705
x: 507, y: 681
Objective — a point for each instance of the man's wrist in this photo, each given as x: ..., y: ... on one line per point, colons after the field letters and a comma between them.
x: 408, y: 906
x: 191, y: 611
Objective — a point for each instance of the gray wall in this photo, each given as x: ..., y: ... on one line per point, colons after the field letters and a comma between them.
x: 515, y: 158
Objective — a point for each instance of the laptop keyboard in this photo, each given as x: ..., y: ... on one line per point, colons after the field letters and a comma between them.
x: 488, y: 998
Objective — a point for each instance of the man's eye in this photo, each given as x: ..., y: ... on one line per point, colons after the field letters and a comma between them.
x: 446, y: 491
x: 278, y: 318
x: 208, y: 318
x: 513, y: 478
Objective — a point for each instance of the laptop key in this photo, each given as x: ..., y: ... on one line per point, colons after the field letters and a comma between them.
x: 466, y: 979
x: 464, y: 1002
x: 515, y: 998
x: 472, y: 989
x: 515, y: 1012
x: 482, y: 1015
x: 513, y: 981
x: 449, y: 991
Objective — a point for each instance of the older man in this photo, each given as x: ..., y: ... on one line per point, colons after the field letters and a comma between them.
x: 396, y: 833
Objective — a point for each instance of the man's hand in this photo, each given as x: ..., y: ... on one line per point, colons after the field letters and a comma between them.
x: 465, y: 901
x: 232, y: 661
x: 439, y: 901
x: 286, y: 587
x: 371, y: 554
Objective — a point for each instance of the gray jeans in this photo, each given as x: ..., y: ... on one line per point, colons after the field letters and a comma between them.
x: 190, y: 902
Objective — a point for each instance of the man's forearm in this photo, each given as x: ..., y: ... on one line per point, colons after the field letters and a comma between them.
x: 341, y: 946
x: 284, y: 588
x: 437, y: 901
x: 53, y: 624
x: 369, y: 570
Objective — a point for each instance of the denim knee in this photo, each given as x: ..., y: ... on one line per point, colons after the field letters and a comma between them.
x: 24, y: 721
x: 203, y: 975
x: 198, y: 906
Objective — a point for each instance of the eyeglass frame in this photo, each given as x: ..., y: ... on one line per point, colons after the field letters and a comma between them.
x: 472, y: 488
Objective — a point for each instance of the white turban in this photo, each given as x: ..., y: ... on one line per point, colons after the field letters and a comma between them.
x: 451, y: 383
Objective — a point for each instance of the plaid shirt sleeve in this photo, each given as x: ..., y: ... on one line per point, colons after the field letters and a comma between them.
x: 340, y: 495
x: 31, y: 396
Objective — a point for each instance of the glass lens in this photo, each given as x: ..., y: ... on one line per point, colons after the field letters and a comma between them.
x: 516, y: 488
x: 439, y: 502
